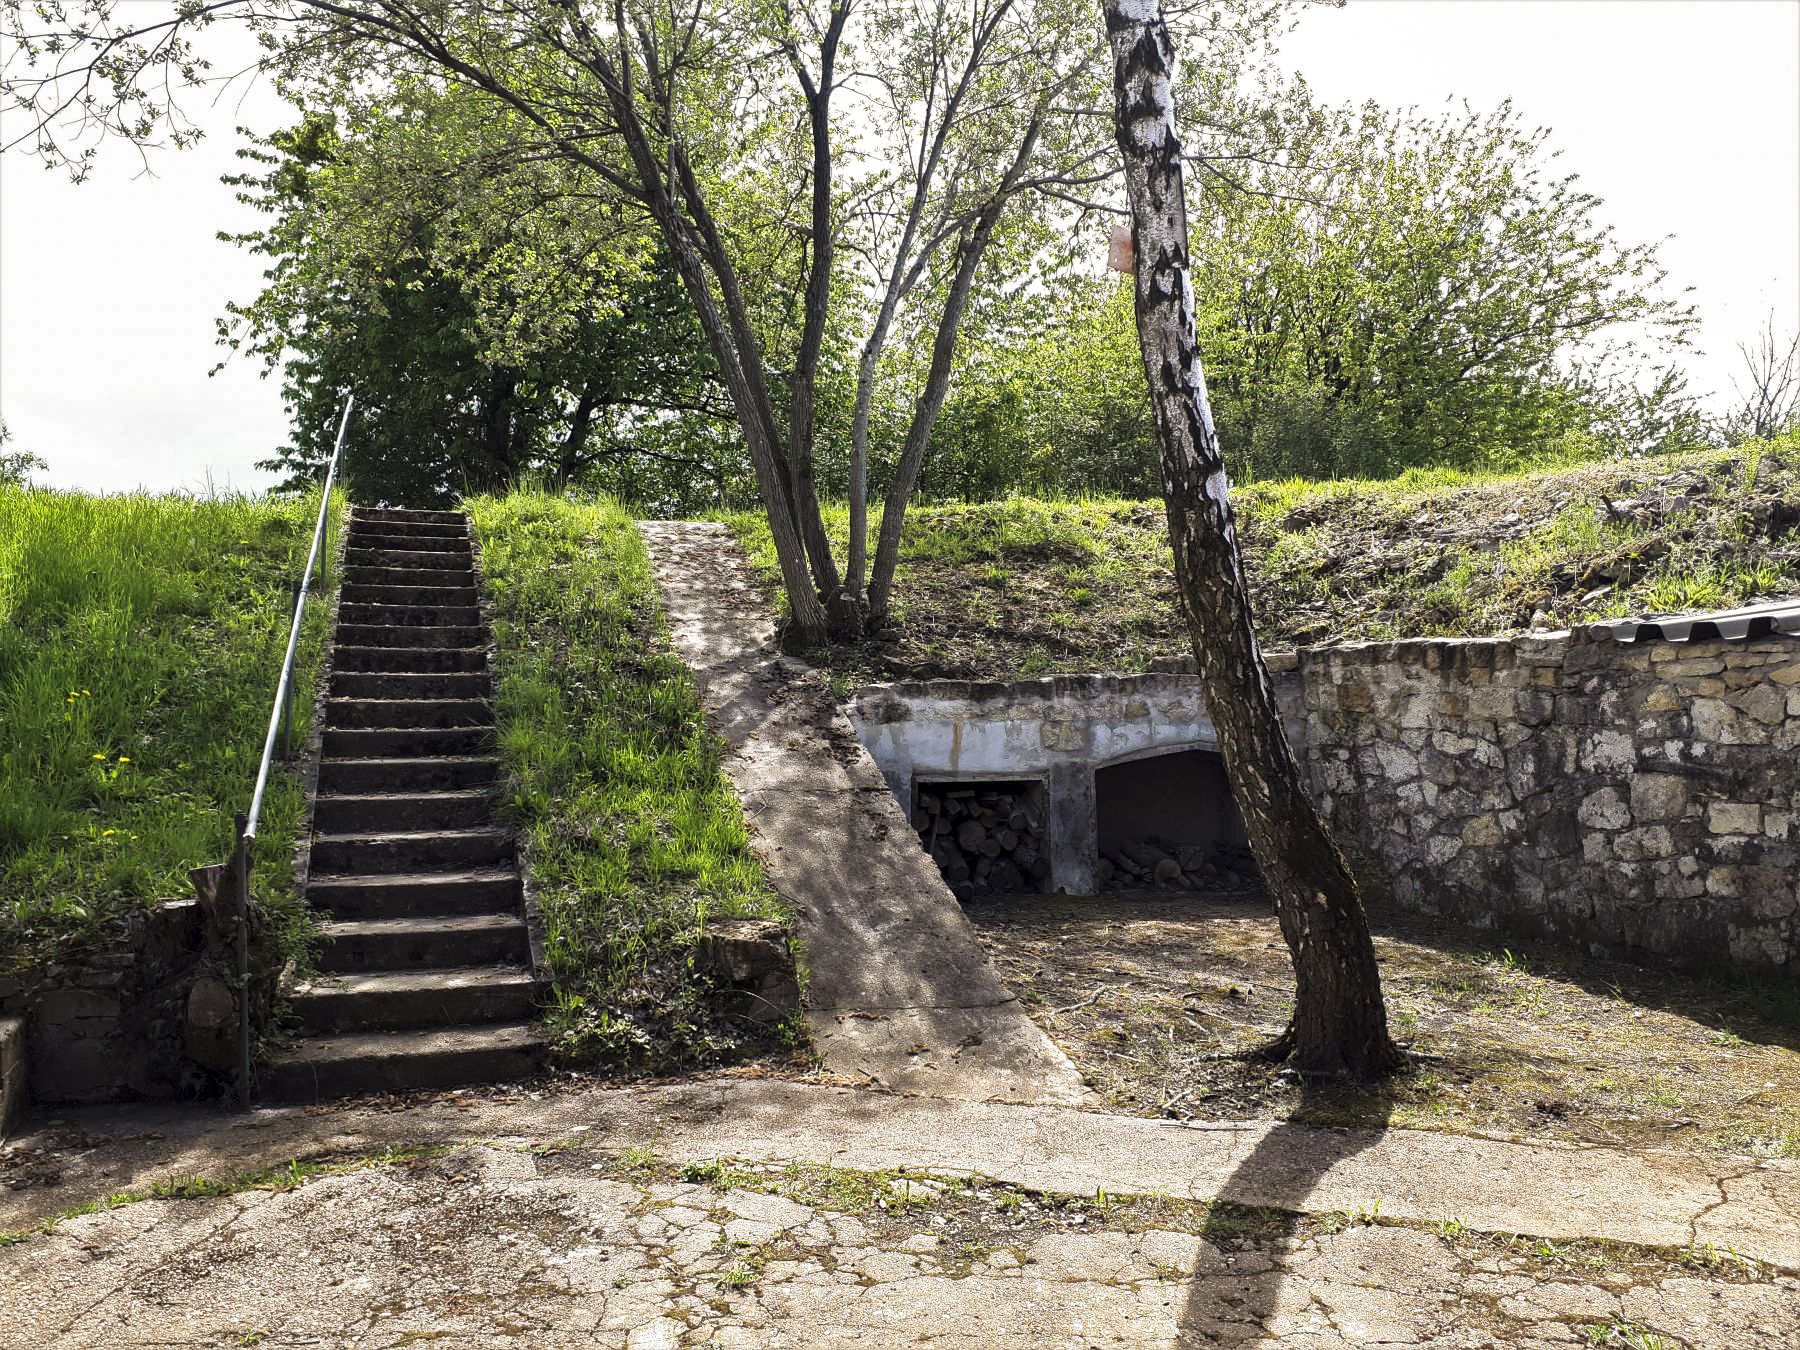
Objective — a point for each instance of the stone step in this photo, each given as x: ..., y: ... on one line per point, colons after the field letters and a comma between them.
x: 461, y: 594
x: 437, y: 529
x: 393, y: 1000
x: 408, y: 616
x: 444, y: 773
x: 424, y: 942
x: 401, y: 742
x: 407, y: 685
x: 370, y: 852
x: 379, y: 635
x: 408, y: 660
x: 437, y: 560
x: 408, y: 712
x: 407, y: 515
x: 399, y: 895
x: 337, y: 813
x: 314, y: 1068
x: 363, y: 574
x: 366, y: 537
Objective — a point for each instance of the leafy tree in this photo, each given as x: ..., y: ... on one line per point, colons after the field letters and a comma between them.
x: 464, y: 382
x: 1386, y: 291
x: 17, y: 466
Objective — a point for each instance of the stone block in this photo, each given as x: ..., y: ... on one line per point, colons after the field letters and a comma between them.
x: 1734, y: 817
x: 1355, y: 698
x: 752, y: 955
x: 1764, y: 702
x: 1659, y: 698
x: 1603, y: 810
x: 66, y: 1007
x: 1714, y: 720
x: 1608, y: 752
x: 1649, y: 841
x: 1658, y: 796
x: 1787, y: 676
x: 1483, y: 832
x: 1704, y: 665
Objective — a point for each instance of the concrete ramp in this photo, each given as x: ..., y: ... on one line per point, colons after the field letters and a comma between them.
x: 901, y: 992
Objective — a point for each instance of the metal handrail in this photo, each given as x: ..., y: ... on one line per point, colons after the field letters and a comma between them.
x: 281, y: 720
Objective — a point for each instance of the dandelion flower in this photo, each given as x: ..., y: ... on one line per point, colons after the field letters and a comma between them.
x: 101, y: 757
x: 104, y: 833
x: 124, y: 759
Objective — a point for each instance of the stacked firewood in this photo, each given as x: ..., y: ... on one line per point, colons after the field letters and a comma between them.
x: 986, y: 841
x: 1156, y: 864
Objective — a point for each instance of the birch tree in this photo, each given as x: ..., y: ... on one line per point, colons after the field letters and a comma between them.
x: 1339, y: 1023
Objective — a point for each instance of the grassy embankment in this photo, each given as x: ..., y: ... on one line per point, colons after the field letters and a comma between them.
x: 636, y: 838
x: 1018, y: 588
x: 140, y: 643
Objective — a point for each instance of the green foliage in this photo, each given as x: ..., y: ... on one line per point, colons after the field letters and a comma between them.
x: 487, y: 325
x: 17, y: 466
x: 141, y: 639
x: 635, y: 836
x: 1394, y: 293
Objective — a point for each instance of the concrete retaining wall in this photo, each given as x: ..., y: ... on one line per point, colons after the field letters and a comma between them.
x: 1053, y: 731
x: 1642, y: 800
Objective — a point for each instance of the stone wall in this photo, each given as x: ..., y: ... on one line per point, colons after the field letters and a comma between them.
x: 1639, y: 799
x: 146, y: 1011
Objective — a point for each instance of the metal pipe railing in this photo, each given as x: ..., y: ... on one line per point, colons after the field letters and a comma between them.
x: 280, y: 728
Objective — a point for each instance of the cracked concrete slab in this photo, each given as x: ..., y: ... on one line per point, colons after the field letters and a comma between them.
x: 1547, y: 1189
x: 882, y: 931
x: 488, y: 1245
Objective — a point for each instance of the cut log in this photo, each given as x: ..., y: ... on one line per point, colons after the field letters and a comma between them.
x: 991, y: 846
x: 1167, y: 870
x: 1005, y: 878
x: 970, y: 835
x: 921, y: 820
x: 1008, y: 841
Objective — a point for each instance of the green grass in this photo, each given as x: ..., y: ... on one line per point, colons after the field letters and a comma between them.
x: 141, y: 639
x: 636, y: 838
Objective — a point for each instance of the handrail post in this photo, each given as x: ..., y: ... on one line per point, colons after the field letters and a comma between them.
x: 241, y: 872
x: 281, y: 731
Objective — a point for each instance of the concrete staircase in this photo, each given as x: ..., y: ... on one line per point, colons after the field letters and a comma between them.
x: 425, y: 980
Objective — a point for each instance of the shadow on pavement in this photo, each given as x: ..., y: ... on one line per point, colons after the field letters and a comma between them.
x: 1280, y: 1173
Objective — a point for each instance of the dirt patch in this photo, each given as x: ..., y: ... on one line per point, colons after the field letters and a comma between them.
x: 1152, y: 995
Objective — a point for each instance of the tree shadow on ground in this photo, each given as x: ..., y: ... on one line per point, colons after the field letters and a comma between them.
x: 1755, y: 1010
x: 1277, y: 1178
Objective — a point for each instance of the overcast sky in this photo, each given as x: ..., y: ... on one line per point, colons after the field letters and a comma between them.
x: 1682, y: 114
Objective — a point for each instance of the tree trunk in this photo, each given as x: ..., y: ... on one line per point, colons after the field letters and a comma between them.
x: 1339, y: 1023
x: 574, y: 446
x: 931, y: 400
x: 937, y: 377
x: 845, y: 622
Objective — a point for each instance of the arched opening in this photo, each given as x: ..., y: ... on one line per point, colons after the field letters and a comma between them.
x: 1168, y: 821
